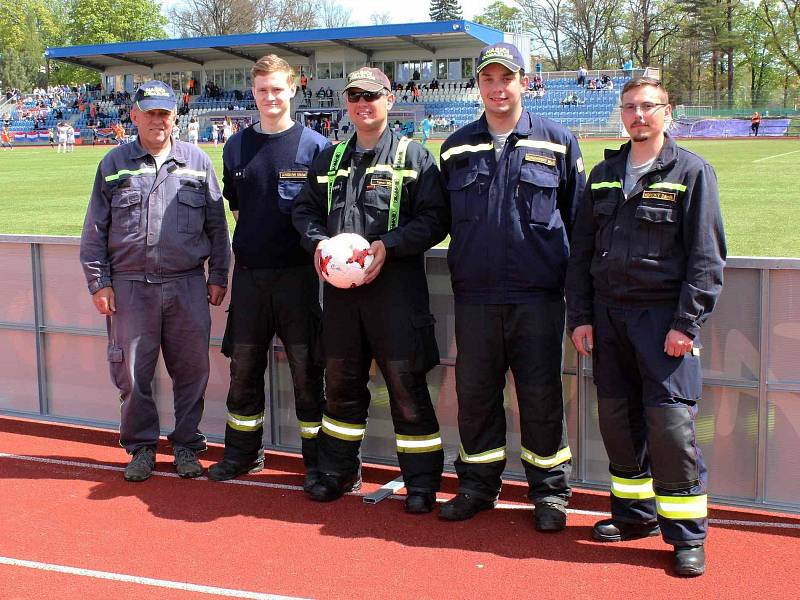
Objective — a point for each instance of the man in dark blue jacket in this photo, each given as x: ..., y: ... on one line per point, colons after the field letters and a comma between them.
x: 648, y: 253
x: 513, y: 181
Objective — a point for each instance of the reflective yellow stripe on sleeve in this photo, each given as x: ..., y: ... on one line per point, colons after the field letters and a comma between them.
x: 632, y: 489
x: 482, y: 457
x: 665, y: 185
x: 545, y: 462
x: 466, y: 148
x: 682, y: 507
x: 606, y: 184
x: 541, y: 145
x: 344, y: 431
x: 245, y: 423
x: 130, y: 173
x: 419, y: 443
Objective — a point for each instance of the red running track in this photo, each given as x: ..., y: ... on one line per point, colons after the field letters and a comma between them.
x: 65, y: 507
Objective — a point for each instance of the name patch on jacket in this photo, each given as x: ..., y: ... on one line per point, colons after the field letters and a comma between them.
x: 379, y: 182
x: 659, y: 195
x: 541, y: 160
x: 288, y: 174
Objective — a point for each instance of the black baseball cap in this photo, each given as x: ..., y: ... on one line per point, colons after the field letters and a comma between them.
x: 155, y: 95
x: 503, y: 54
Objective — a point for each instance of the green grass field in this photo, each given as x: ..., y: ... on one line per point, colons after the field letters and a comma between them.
x: 46, y: 193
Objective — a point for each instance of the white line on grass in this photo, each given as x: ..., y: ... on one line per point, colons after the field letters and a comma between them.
x: 775, y: 156
x: 162, y: 583
x: 283, y: 486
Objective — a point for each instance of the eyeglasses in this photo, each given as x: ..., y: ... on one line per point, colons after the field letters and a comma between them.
x: 645, y: 107
x: 368, y: 96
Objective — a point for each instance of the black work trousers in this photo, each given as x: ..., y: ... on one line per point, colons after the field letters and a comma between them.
x: 647, y: 404
x: 266, y: 302
x: 527, y: 338
x: 388, y: 320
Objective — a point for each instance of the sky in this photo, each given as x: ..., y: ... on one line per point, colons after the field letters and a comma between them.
x: 406, y: 11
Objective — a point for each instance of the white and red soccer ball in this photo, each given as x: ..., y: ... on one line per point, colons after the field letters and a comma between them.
x: 343, y: 260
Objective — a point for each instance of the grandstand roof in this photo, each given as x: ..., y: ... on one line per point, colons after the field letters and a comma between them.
x: 431, y: 36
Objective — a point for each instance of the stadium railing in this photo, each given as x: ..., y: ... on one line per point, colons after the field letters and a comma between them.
x: 54, y: 367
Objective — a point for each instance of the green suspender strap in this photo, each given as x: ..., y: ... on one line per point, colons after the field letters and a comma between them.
x: 336, y: 160
x: 397, y: 182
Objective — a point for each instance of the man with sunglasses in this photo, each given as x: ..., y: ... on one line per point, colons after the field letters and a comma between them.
x: 645, y: 272
x: 513, y: 180
x: 386, y: 189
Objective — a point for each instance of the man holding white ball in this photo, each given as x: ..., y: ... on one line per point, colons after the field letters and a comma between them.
x: 387, y: 190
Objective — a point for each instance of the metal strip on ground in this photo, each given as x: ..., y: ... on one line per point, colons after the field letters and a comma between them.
x: 162, y: 583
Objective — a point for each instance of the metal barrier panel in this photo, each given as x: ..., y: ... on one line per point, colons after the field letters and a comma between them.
x: 54, y: 367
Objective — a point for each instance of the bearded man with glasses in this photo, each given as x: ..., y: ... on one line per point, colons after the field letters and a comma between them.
x: 644, y: 274
x: 386, y: 189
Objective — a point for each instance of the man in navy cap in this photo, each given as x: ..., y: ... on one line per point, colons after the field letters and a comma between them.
x: 513, y: 181
x: 154, y: 218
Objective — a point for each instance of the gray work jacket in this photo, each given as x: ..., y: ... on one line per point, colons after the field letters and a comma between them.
x: 148, y: 225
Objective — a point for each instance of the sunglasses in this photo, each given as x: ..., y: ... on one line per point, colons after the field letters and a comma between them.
x: 368, y: 96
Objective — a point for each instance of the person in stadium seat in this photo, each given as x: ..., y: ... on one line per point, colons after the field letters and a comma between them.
x: 275, y: 288
x: 387, y: 190
x: 154, y: 219
x: 513, y: 181
x: 645, y: 271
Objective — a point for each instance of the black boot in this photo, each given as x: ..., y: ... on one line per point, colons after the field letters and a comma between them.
x: 332, y: 487
x: 464, y: 506
x: 609, y: 530
x: 690, y: 561
x: 420, y: 503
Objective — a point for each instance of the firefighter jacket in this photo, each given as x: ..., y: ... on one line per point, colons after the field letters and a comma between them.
x: 360, y: 195
x: 510, y: 219
x: 663, y: 245
x: 149, y: 225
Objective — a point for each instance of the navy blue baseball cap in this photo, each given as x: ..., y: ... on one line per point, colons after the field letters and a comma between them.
x: 155, y: 95
x: 503, y: 54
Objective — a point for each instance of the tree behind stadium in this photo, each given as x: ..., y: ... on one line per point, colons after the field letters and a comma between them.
x: 445, y: 10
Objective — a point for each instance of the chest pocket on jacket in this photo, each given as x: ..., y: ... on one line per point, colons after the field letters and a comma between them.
x: 466, y: 195
x: 288, y: 189
x: 191, y: 210
x: 537, y: 189
x: 126, y: 210
x: 376, y: 209
x: 656, y: 227
x: 603, y: 214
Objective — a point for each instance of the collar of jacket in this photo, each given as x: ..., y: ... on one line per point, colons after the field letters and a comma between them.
x: 666, y: 157
x: 176, y: 152
x: 523, y: 128
x: 384, y: 143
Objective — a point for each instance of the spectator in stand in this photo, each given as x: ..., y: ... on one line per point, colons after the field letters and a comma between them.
x: 434, y: 85
x: 303, y: 82
x: 582, y: 74
x: 755, y: 123
x: 326, y: 126
x: 592, y: 85
x: 414, y: 93
x: 192, y: 84
x: 470, y: 84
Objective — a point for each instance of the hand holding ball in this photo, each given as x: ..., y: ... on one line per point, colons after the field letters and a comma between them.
x: 343, y: 260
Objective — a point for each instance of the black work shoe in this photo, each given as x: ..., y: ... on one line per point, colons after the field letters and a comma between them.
x: 690, y: 561
x: 464, y: 506
x: 311, y: 479
x: 228, y: 469
x: 609, y: 530
x: 333, y: 487
x: 141, y: 465
x: 420, y: 503
x: 186, y: 463
x: 549, y: 516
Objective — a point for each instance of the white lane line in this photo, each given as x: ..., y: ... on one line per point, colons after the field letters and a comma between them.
x: 775, y: 156
x: 162, y: 583
x: 283, y: 486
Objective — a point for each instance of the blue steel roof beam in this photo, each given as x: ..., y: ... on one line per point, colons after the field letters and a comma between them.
x: 291, y: 49
x: 135, y: 61
x: 236, y: 53
x: 81, y: 63
x: 367, y: 52
x: 181, y: 56
x: 412, y: 40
